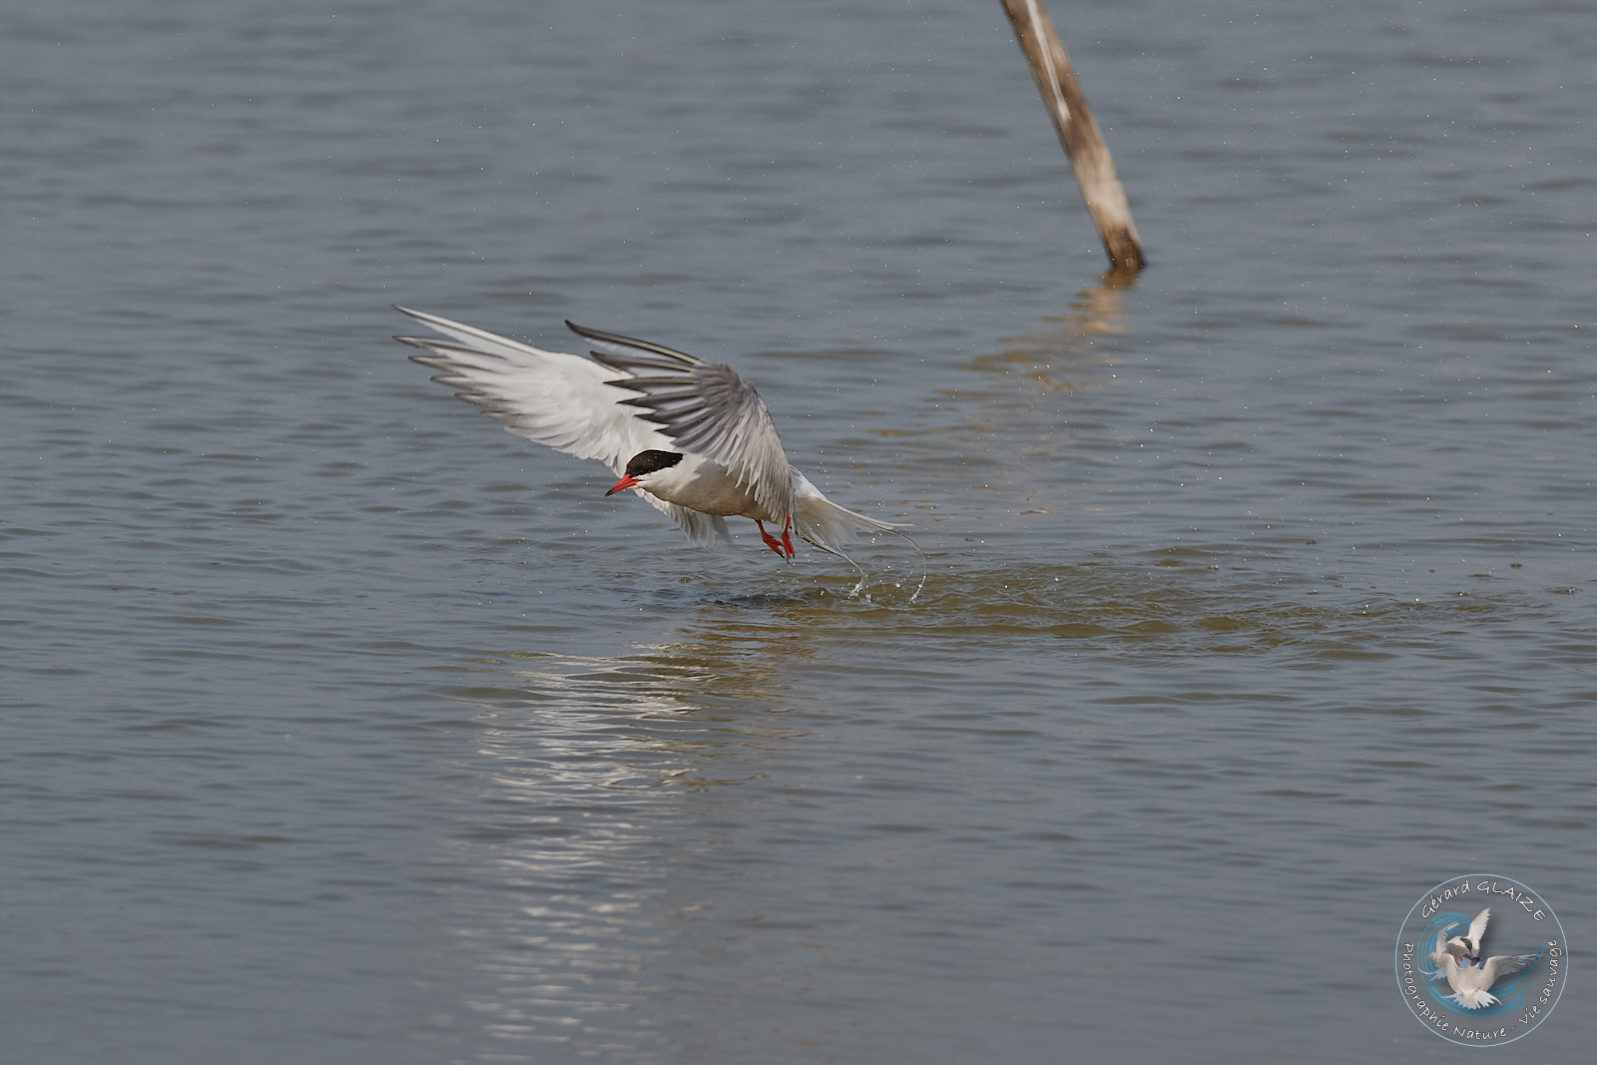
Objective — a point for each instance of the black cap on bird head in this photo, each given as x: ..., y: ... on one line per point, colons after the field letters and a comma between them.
x: 644, y: 463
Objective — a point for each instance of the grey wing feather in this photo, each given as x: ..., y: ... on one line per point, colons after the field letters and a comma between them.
x: 704, y: 530
x: 1477, y: 927
x: 564, y: 401
x: 703, y: 407
x: 1508, y: 964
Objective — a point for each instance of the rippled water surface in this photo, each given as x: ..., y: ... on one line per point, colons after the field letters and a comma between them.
x: 339, y: 725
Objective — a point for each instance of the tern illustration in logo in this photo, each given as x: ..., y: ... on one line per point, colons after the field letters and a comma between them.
x: 1468, y: 973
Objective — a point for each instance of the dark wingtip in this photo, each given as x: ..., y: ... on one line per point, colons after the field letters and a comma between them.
x: 600, y: 334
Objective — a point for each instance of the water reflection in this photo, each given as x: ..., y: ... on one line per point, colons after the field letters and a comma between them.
x: 1060, y: 356
x: 585, y: 763
x: 654, y: 833
x: 984, y: 439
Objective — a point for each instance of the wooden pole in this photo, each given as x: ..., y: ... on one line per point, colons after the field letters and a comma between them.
x: 1083, y: 141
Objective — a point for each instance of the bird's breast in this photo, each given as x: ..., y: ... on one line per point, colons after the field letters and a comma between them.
x: 709, y: 488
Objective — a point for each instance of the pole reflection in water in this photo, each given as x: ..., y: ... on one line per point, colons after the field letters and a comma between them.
x: 1065, y: 344
x: 992, y: 446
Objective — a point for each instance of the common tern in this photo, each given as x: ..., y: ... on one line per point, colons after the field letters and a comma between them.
x: 690, y: 436
x: 1471, y: 977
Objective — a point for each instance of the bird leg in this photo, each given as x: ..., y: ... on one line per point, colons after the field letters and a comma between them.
x: 770, y: 541
x: 784, y: 546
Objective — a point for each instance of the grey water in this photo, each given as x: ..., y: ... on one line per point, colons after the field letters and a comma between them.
x: 339, y: 725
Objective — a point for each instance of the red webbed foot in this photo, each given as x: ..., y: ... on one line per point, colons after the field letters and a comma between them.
x: 784, y: 546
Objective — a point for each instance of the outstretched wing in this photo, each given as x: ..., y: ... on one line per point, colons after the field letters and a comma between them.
x: 702, y: 407
x: 1477, y: 928
x: 564, y: 401
x: 1441, y: 952
x: 1506, y: 965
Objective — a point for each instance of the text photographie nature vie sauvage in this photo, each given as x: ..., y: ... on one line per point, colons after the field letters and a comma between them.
x: 690, y: 436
